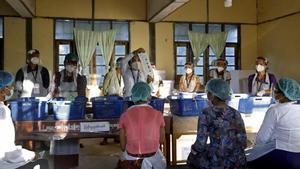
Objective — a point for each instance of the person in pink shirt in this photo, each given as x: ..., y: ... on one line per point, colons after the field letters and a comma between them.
x: 142, y: 130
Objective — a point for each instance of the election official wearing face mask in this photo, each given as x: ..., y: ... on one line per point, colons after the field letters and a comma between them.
x: 68, y: 82
x: 261, y: 83
x: 189, y: 82
x: 220, y: 71
x: 32, y: 80
x: 134, y: 70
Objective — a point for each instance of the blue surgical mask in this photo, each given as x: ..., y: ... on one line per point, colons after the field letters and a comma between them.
x: 7, y: 97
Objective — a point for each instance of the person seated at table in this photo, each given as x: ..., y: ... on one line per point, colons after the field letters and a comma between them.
x: 189, y: 82
x: 225, y: 129
x: 220, y: 71
x: 9, y: 152
x: 141, y: 132
x: 261, y: 83
x: 278, y: 139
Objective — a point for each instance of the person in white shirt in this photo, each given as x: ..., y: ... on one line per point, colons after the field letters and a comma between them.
x: 278, y: 139
x: 11, y: 156
x: 133, y: 71
x: 220, y: 71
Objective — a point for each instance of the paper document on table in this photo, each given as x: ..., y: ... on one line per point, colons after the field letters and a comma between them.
x: 94, y: 126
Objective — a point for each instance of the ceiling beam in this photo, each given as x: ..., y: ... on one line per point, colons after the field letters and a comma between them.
x: 26, y: 8
x: 157, y: 10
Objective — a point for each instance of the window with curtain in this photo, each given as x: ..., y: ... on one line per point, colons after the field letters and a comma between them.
x: 65, y: 43
x: 1, y: 44
x: 184, y: 53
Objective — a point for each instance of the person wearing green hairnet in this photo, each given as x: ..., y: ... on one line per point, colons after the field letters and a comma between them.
x: 68, y: 83
x: 277, y: 142
x: 9, y: 152
x: 226, y: 131
x: 142, y: 130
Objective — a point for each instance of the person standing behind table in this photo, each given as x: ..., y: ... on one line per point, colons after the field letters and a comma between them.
x: 189, y: 82
x: 133, y: 72
x: 220, y: 71
x: 32, y: 80
x: 68, y: 82
x: 113, y: 86
x: 225, y: 129
x: 142, y: 130
x: 277, y: 142
x: 261, y: 83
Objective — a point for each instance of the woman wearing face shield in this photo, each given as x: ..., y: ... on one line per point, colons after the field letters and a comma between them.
x: 69, y: 83
x: 261, y: 83
x: 220, y: 71
x: 113, y: 85
x: 277, y: 142
x: 32, y: 80
x: 225, y: 129
x: 133, y: 71
x: 113, y: 82
x: 189, y: 82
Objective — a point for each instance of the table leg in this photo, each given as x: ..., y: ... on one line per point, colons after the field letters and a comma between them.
x: 66, y: 161
x: 168, y: 150
x: 174, y: 150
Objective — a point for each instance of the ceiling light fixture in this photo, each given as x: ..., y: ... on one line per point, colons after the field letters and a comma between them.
x: 227, y: 3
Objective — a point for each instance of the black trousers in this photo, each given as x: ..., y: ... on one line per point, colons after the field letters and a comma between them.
x: 277, y: 159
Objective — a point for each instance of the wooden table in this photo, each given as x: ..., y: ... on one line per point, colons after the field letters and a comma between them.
x: 65, y: 130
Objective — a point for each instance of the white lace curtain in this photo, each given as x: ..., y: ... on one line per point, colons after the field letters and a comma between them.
x: 199, y: 42
x: 86, y: 42
x: 106, y: 42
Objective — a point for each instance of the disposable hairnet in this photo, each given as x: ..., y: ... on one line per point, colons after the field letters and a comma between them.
x: 290, y: 88
x: 219, y: 88
x: 71, y: 57
x: 140, y: 92
x: 6, y: 79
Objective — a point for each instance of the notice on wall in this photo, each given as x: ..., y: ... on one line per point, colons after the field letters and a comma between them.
x: 94, y: 126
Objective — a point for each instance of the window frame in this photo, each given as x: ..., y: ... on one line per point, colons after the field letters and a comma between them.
x: 93, y: 64
x: 2, y: 45
x: 190, y: 54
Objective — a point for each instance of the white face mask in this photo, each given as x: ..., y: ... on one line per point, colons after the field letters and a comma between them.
x: 136, y: 65
x: 220, y: 69
x: 188, y: 71
x: 260, y: 68
x: 7, y: 97
x: 35, y: 60
x: 71, y: 68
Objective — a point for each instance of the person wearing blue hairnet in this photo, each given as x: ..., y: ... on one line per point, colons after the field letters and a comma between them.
x: 277, y: 142
x: 9, y: 152
x: 142, y: 130
x: 32, y: 80
x: 226, y: 131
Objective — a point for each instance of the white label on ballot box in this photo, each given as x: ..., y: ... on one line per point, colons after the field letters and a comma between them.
x: 94, y: 126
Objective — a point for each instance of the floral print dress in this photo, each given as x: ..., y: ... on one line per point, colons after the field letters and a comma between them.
x: 227, y: 139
